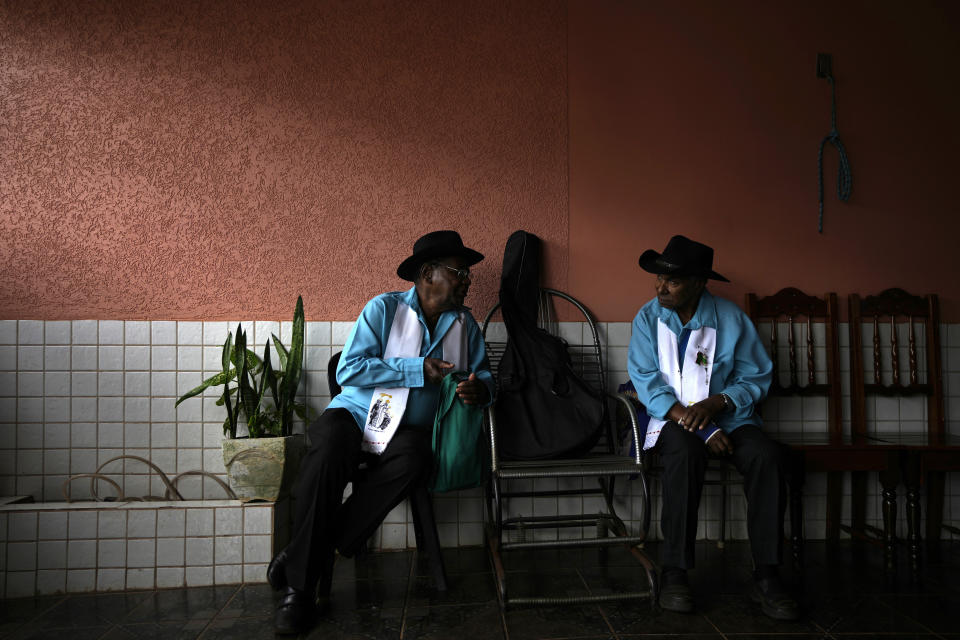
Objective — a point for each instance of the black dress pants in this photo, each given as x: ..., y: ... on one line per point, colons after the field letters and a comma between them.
x: 761, y: 462
x: 323, y: 521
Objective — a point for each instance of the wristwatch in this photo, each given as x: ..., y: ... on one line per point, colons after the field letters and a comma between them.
x: 727, y: 403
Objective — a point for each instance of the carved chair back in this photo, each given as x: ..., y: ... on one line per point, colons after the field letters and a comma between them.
x: 895, y: 352
x: 801, y: 366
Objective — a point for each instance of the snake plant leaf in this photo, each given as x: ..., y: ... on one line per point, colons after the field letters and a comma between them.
x: 226, y: 426
x: 303, y: 412
x: 254, y: 361
x: 281, y: 351
x: 267, y: 425
x: 231, y: 422
x: 295, y: 361
x: 236, y: 350
x: 263, y: 377
x: 269, y: 375
x: 292, y: 372
x: 231, y: 391
x: 225, y: 357
x: 273, y: 427
x: 248, y: 396
x: 253, y: 428
x: 240, y: 347
x: 220, y: 378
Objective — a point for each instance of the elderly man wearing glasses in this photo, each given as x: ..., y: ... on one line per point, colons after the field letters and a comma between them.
x: 398, y: 352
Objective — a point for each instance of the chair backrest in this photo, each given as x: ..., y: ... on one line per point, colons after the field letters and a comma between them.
x: 581, y: 336
x: 901, y: 362
x: 802, y: 373
x: 332, y: 374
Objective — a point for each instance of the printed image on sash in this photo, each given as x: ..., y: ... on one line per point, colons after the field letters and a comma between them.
x: 379, y: 418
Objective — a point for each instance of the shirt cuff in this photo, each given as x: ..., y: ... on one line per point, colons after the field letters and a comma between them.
x: 412, y: 369
x: 660, y: 406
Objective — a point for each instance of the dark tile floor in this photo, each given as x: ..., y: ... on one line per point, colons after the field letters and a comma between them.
x: 845, y: 594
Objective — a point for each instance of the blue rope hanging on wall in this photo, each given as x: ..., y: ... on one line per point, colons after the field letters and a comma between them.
x: 844, y: 179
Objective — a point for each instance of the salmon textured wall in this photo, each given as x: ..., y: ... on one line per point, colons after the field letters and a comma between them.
x: 704, y: 118
x: 212, y: 160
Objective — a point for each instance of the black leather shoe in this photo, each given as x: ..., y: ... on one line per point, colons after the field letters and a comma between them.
x: 774, y: 600
x: 295, y: 612
x: 277, y: 572
x: 676, y: 597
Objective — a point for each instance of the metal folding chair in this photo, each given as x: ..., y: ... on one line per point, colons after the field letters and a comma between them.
x: 591, y: 477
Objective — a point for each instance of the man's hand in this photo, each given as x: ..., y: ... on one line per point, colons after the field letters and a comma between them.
x: 435, y: 369
x: 719, y: 444
x: 473, y: 391
x: 696, y: 416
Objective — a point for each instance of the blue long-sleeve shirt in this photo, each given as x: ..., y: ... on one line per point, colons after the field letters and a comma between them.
x: 741, y: 367
x: 363, y: 368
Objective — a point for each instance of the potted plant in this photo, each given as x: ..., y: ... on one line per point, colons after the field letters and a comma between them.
x: 261, y: 397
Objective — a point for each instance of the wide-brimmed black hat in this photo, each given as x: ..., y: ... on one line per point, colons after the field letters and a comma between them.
x: 436, y: 244
x: 682, y: 257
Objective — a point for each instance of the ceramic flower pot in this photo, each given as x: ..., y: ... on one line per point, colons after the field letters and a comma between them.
x: 263, y: 468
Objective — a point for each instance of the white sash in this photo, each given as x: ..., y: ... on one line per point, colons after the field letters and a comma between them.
x: 693, y: 384
x: 388, y: 404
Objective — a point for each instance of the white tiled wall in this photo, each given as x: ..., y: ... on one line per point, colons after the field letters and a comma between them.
x: 87, y: 546
x: 74, y: 394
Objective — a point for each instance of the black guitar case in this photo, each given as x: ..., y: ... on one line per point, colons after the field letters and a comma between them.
x: 543, y: 409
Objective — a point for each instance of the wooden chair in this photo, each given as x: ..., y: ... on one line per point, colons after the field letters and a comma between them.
x: 421, y: 505
x: 510, y: 528
x: 798, y: 372
x: 902, y: 364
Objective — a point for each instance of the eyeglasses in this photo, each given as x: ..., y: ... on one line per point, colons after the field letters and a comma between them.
x: 462, y: 274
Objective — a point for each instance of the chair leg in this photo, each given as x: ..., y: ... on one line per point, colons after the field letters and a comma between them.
x: 796, y: 480
x: 858, y: 504
x: 889, y: 478
x: 425, y: 529
x: 911, y: 479
x: 935, y: 497
x: 834, y: 505
x: 721, y: 542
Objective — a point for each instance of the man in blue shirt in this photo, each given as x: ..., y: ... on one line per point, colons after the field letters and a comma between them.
x: 700, y: 370
x: 390, y: 370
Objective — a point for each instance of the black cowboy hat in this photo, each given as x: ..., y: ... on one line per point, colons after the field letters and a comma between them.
x: 436, y: 244
x: 682, y: 257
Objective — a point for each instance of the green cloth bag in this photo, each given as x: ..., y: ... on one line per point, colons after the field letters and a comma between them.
x: 460, y: 451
